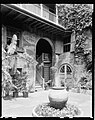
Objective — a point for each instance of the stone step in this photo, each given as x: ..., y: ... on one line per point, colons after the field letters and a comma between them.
x: 38, y: 88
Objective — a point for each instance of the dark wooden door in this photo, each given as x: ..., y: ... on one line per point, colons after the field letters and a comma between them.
x: 46, y: 71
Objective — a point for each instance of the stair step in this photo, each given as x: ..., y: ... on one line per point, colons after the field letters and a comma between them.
x: 38, y: 88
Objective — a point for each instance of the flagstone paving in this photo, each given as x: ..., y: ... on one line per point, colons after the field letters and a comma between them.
x: 22, y: 107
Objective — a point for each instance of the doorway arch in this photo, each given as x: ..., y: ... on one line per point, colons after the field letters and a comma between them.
x: 44, y: 52
x: 43, y: 46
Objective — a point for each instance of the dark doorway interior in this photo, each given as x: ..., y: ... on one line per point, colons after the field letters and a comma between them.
x: 43, y: 46
x: 44, y: 59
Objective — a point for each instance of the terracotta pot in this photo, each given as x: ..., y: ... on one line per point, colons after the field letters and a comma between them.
x: 58, y: 97
x: 25, y: 94
x: 15, y: 94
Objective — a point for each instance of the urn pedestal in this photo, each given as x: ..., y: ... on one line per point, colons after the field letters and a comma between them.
x: 58, y: 96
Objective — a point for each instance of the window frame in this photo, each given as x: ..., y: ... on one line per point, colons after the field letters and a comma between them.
x: 65, y: 65
x: 68, y: 44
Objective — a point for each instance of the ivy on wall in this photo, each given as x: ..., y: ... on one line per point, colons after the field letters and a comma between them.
x: 77, y: 17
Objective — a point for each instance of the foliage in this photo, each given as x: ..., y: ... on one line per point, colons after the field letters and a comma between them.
x: 86, y: 80
x: 19, y: 80
x: 12, y: 82
x: 7, y: 84
x: 45, y: 110
x: 77, y: 17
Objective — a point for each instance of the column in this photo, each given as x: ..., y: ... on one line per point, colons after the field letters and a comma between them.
x: 56, y: 14
x: 41, y: 10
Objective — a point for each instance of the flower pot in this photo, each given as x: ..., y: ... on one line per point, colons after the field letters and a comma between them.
x: 58, y: 97
x: 15, y: 94
x: 25, y: 94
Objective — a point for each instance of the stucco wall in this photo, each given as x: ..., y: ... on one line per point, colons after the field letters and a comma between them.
x: 69, y: 58
x: 29, y: 42
x: 30, y: 39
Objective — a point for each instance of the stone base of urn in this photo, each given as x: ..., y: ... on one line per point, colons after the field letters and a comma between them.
x: 58, y: 97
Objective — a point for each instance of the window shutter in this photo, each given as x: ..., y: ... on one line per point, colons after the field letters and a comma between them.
x: 58, y: 47
x: 72, y: 42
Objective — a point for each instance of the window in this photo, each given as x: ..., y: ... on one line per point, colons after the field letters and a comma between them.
x: 10, y: 33
x: 62, y: 69
x: 66, y: 68
x: 67, y: 44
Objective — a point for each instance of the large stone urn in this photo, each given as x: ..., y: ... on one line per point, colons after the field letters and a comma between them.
x: 58, y: 97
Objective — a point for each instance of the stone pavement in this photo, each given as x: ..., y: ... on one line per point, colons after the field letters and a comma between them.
x: 22, y: 107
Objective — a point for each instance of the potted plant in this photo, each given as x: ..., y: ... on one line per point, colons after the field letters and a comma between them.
x: 25, y: 88
x: 7, y: 84
x: 20, y: 82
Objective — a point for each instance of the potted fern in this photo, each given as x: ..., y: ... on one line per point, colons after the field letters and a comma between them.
x: 20, y: 81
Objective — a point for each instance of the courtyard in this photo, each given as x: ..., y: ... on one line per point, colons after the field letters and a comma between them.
x: 22, y: 107
x: 50, y: 48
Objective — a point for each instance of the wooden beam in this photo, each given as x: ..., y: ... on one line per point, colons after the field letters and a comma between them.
x: 53, y: 31
x: 7, y: 14
x: 56, y: 31
x: 45, y: 28
x: 41, y: 26
x: 33, y: 23
x: 2, y: 8
x: 26, y: 20
x: 17, y: 16
x: 50, y: 29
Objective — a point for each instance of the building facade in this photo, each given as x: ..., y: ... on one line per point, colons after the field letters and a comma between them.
x: 40, y: 34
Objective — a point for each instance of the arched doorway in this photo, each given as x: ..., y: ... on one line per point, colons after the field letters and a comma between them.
x: 66, y: 74
x: 44, y: 59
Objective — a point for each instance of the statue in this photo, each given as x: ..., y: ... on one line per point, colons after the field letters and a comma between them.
x: 12, y: 46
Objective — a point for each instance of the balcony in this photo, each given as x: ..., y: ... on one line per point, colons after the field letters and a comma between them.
x: 40, y: 11
x: 34, y: 16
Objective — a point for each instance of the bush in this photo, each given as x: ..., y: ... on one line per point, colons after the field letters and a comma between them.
x: 89, y: 85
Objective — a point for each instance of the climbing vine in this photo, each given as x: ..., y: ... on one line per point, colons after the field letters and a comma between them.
x: 77, y: 17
